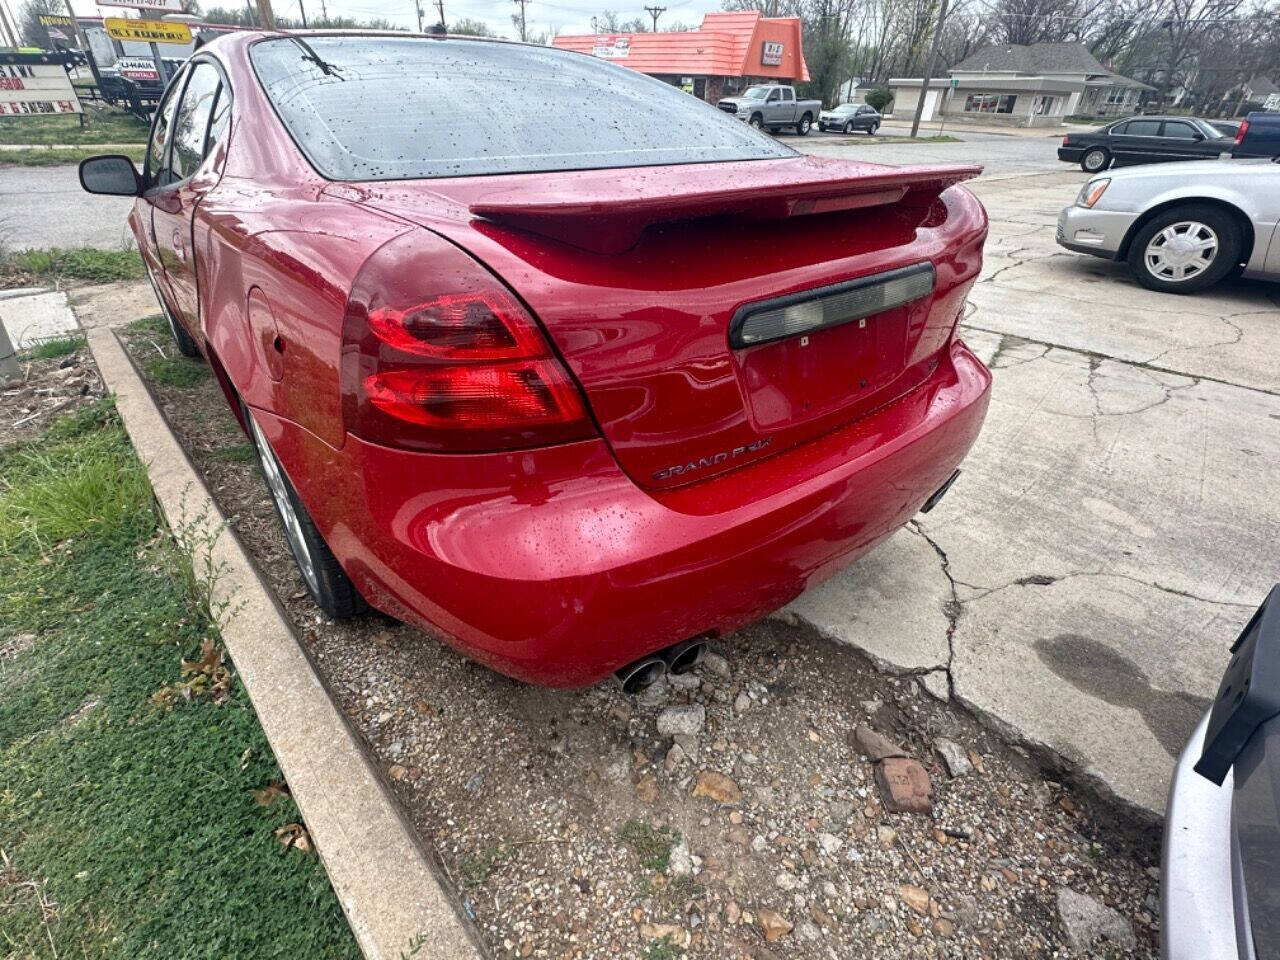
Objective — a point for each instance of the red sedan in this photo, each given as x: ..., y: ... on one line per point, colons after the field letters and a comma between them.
x: 544, y: 355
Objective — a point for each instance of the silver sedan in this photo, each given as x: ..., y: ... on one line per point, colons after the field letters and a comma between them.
x: 1181, y: 227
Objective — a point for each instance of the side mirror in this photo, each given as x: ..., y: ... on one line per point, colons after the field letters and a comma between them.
x: 1197, y: 136
x: 113, y: 174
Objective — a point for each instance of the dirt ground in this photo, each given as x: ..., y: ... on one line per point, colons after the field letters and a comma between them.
x: 571, y: 828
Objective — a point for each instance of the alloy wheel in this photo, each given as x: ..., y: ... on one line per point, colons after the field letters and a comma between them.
x: 279, y: 488
x: 1181, y: 251
x: 1094, y: 161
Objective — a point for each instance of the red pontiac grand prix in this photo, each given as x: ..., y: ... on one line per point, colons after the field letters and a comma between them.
x: 543, y: 355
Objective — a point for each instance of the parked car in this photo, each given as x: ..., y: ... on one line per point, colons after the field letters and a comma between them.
x: 1228, y: 128
x: 1181, y: 227
x: 1258, y: 136
x: 773, y: 106
x: 1144, y: 140
x: 848, y: 117
x: 1219, y: 885
x: 524, y: 410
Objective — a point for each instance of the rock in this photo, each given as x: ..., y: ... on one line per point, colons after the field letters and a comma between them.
x: 684, y: 682
x: 647, y: 789
x: 654, y: 694
x: 944, y: 927
x: 1088, y: 923
x: 917, y: 898
x: 675, y: 756
x: 869, y: 707
x: 717, y: 787
x: 732, y: 912
x: 886, y: 835
x: 935, y: 684
x: 618, y: 769
x: 904, y: 786
x: 715, y: 665
x: 672, y: 933
x: 953, y: 756
x: 679, y: 863
x: 828, y: 889
x: 786, y: 881
x: 773, y: 925
x: 689, y: 744
x: 830, y: 843
x: 808, y: 931
x: 741, y: 703
x: 397, y: 771
x: 873, y: 746
x: 759, y: 844
x: 841, y: 811
x: 688, y: 720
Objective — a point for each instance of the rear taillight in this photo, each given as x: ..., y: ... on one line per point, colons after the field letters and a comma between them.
x: 1244, y: 128
x: 1066, y: 141
x: 462, y: 369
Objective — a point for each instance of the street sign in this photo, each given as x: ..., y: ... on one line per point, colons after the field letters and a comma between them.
x: 33, y: 84
x: 174, y: 5
x: 147, y: 31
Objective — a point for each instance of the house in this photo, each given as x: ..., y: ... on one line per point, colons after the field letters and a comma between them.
x: 1259, y: 90
x: 726, y: 54
x: 1025, y: 86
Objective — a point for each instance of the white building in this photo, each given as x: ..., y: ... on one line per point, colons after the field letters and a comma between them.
x: 1023, y: 86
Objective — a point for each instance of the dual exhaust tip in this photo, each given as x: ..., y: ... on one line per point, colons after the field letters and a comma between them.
x: 677, y: 658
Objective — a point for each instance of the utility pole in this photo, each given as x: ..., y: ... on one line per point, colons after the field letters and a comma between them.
x: 303, y: 10
x: 324, y: 11
x: 265, y: 14
x: 8, y: 27
x: 443, y: 22
x: 930, y: 67
x: 417, y: 6
x: 522, y: 24
x: 654, y: 12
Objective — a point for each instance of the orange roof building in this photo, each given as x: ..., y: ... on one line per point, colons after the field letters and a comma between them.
x: 727, y: 53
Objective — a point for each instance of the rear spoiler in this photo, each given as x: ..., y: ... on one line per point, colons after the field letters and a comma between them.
x: 606, y: 211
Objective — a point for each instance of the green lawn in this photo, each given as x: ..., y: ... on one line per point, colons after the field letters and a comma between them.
x: 102, y: 125
x: 73, y: 263
x: 138, y: 816
x: 61, y: 156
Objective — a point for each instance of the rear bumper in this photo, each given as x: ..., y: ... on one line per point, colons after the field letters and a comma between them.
x: 552, y: 566
x: 1197, y: 905
x: 1070, y: 154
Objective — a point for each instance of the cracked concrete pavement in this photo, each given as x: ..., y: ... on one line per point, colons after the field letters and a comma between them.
x: 1116, y: 523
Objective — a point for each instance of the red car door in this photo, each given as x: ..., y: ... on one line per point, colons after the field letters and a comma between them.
x: 187, y: 178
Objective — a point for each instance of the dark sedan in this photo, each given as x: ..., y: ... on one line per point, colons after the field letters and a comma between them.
x: 1144, y: 140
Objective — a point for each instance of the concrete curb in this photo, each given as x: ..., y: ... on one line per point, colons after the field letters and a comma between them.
x: 389, y: 887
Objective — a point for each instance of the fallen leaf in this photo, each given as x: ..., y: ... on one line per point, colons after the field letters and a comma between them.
x: 294, y: 835
x: 268, y: 794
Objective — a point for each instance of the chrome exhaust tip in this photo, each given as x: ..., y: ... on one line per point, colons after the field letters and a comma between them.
x: 634, y: 677
x: 684, y: 656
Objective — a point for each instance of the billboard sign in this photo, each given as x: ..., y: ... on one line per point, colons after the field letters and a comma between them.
x: 56, y: 20
x: 175, y: 6
x: 612, y: 47
x: 147, y: 31
x: 138, y: 68
x: 32, y: 88
x: 771, y: 53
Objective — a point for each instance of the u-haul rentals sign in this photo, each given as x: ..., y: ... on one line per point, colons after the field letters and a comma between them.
x: 31, y: 86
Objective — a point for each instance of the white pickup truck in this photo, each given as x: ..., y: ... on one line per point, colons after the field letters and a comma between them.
x: 774, y: 107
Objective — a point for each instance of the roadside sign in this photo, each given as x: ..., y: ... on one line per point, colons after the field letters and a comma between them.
x: 138, y: 68
x: 612, y: 47
x: 56, y: 20
x: 147, y: 31
x: 174, y: 5
x: 1273, y: 102
x: 771, y: 53
x: 34, y: 84
x: 954, y: 83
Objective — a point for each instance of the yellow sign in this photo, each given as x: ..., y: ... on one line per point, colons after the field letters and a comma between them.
x: 147, y: 31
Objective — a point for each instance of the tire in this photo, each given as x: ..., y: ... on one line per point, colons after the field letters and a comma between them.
x: 849, y: 127
x: 330, y: 588
x: 186, y: 345
x: 1095, y: 160
x: 871, y: 130
x: 805, y: 125
x: 756, y: 121
x: 1185, y: 249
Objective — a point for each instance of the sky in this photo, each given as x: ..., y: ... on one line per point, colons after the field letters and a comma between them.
x: 562, y: 16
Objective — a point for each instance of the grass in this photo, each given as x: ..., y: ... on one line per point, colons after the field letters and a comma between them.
x: 240, y: 453
x: 60, y: 156
x: 101, y: 125
x: 129, y: 830
x: 75, y: 263
x: 58, y: 347
x: 154, y: 325
x: 176, y: 371
x: 934, y: 138
x: 651, y: 844
x: 663, y: 949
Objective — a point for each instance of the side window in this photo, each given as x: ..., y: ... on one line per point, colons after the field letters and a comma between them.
x: 157, y: 174
x: 1143, y: 128
x: 788, y: 95
x: 1118, y: 128
x: 773, y: 96
x: 1179, y: 130
x: 192, y: 121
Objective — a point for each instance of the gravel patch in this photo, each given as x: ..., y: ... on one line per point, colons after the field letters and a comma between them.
x: 728, y: 813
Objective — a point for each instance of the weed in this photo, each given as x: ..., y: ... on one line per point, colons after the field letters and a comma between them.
x: 663, y: 949
x: 176, y: 371
x: 52, y: 349
x: 76, y: 263
x: 239, y: 453
x: 651, y: 844
x: 154, y: 324
x: 478, y: 868
x: 61, y: 156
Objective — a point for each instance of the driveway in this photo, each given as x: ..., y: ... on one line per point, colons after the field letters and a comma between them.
x: 999, y: 154
x: 1114, y: 526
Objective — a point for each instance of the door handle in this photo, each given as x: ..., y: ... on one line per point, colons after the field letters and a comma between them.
x: 178, y: 247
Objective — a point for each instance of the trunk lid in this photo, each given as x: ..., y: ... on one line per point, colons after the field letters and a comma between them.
x: 645, y: 280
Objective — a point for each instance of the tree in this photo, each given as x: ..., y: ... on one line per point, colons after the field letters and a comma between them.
x: 469, y: 27
x: 34, y: 33
x: 878, y: 97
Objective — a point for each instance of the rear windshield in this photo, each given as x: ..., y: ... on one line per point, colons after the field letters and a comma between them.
x: 389, y: 108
